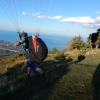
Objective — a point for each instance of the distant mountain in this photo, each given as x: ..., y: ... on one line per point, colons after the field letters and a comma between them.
x: 7, y: 48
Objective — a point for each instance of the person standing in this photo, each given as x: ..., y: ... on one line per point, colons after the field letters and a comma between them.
x: 30, y: 65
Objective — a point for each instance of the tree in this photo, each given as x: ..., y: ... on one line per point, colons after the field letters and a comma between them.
x: 76, y: 43
x: 98, y: 30
x: 54, y: 50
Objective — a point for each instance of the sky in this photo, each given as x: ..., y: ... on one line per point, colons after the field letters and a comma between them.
x: 56, y: 17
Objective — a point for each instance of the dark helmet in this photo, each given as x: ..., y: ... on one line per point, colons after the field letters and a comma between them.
x: 24, y: 34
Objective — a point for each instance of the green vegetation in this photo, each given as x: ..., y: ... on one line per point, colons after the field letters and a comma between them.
x: 76, y: 43
x: 74, y: 76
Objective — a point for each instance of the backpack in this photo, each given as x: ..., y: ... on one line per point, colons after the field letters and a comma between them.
x: 37, y: 48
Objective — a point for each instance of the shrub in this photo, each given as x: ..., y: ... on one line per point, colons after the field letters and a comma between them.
x: 59, y: 56
x: 69, y: 58
x: 54, y: 50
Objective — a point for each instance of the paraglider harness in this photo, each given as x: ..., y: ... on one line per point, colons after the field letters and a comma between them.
x: 35, y: 47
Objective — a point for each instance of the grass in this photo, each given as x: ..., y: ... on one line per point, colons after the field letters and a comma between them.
x: 75, y: 79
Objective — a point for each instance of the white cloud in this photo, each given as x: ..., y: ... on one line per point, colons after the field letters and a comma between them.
x: 38, y: 15
x: 54, y: 18
x: 57, y: 17
x: 42, y: 16
x: 98, y: 12
x: 97, y: 20
x: 85, y: 21
x: 35, y: 15
x: 26, y: 13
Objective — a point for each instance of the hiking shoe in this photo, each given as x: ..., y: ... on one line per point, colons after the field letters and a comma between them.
x: 47, y: 79
x: 45, y: 76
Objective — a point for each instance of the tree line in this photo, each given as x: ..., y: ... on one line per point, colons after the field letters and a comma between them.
x: 93, y: 41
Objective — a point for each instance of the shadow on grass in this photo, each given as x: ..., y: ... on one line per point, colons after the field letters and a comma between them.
x: 80, y: 58
x: 37, y: 88
x: 96, y: 83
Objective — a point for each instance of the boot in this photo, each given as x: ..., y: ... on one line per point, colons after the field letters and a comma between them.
x: 46, y: 77
x: 27, y: 78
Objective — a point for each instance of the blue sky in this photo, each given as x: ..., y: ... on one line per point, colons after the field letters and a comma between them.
x: 57, y: 17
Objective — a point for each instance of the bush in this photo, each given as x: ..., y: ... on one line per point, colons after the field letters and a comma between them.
x: 54, y: 50
x: 68, y: 59
x: 59, y: 56
x: 18, y: 55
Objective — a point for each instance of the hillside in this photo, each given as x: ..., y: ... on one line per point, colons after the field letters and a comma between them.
x: 6, y: 49
x: 74, y: 78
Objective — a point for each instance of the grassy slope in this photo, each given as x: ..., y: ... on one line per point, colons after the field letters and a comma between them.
x: 78, y: 79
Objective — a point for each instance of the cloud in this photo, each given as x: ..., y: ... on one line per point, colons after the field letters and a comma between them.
x: 97, y: 20
x: 41, y: 16
x: 44, y: 16
x: 26, y: 13
x: 86, y: 21
x: 98, y: 12
x: 35, y: 15
x: 38, y: 15
x: 56, y: 17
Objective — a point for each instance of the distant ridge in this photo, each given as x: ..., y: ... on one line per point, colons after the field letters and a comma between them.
x: 7, y: 48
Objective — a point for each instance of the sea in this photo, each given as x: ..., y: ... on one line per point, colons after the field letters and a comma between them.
x: 52, y: 41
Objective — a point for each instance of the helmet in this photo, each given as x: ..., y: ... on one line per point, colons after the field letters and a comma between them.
x: 24, y: 34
